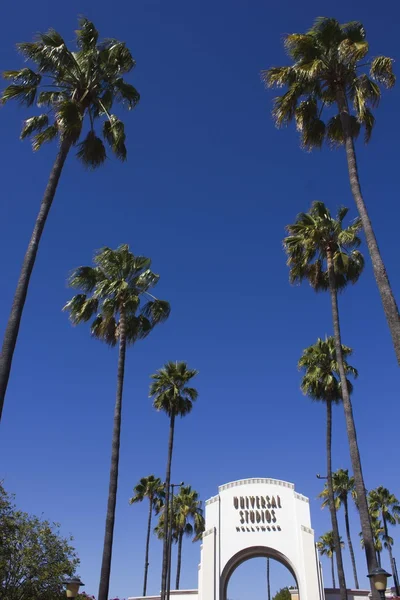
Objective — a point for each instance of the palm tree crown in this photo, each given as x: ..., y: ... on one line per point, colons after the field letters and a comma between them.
x: 321, y: 379
x: 152, y: 488
x: 117, y: 283
x: 187, y: 507
x: 316, y: 234
x: 326, y: 545
x: 330, y: 58
x: 170, y: 390
x: 383, y: 502
x: 343, y: 485
x: 74, y: 87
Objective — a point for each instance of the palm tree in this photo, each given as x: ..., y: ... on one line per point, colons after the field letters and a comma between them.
x: 343, y: 485
x: 74, y: 87
x: 321, y: 251
x: 172, y: 395
x: 321, y: 382
x: 268, y: 581
x: 187, y: 508
x: 152, y: 488
x: 331, y: 69
x: 112, y: 292
x: 327, y: 547
x: 385, y: 504
x: 377, y: 531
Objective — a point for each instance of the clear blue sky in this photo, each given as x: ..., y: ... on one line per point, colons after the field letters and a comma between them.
x: 207, y: 191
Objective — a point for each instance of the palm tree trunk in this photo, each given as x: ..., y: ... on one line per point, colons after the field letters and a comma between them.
x: 179, y: 561
x: 332, y: 509
x: 268, y: 580
x: 112, y: 491
x: 381, y: 277
x: 146, y: 559
x: 378, y: 557
x: 164, y: 572
x: 351, y: 433
x: 350, y: 543
x: 333, y: 572
x: 14, y: 320
x: 389, y: 549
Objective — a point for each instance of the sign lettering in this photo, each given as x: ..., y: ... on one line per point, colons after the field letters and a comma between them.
x: 258, y: 511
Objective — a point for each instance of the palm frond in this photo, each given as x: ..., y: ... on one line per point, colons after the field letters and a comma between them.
x: 116, y: 58
x: 351, y: 52
x: 46, y: 98
x: 91, y: 151
x: 353, y: 31
x: 105, y: 329
x: 87, y: 35
x: 284, y: 108
x: 51, y: 54
x: 48, y: 135
x: 24, y: 88
x: 157, y: 311
x: 114, y: 134
x: 126, y: 93
x: 69, y: 120
x: 301, y: 47
x: 382, y: 71
x: 34, y: 124
x: 368, y: 121
x: 334, y: 130
x: 81, y: 308
x: 326, y: 32
x: 313, y: 135
x: 84, y: 278
x: 278, y: 76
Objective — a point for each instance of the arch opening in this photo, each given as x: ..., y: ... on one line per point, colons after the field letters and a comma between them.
x: 246, y: 555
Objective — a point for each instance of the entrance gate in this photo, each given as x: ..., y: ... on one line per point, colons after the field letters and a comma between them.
x: 258, y: 517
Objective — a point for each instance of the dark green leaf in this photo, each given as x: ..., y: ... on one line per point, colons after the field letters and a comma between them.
x: 91, y: 151
x: 34, y: 124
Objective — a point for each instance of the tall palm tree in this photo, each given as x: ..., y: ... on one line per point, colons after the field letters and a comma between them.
x: 327, y: 547
x: 385, y: 504
x: 172, y: 395
x: 112, y: 293
x: 343, y: 485
x: 331, y: 69
x: 189, y: 520
x: 74, y: 88
x: 321, y: 382
x: 323, y: 252
x: 268, y: 580
x: 153, y: 489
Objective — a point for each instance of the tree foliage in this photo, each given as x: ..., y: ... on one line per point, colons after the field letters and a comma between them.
x: 314, y: 235
x: 282, y: 594
x: 329, y: 59
x: 34, y: 556
x: 321, y: 381
x: 118, y: 281
x: 170, y: 390
x: 76, y: 89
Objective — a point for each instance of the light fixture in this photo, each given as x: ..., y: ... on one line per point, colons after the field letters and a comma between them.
x: 73, y: 584
x: 379, y: 578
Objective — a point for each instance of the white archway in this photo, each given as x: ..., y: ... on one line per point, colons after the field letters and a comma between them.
x: 248, y: 554
x: 258, y: 517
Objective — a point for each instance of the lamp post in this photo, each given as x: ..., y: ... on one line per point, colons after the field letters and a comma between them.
x: 379, y: 578
x: 73, y: 584
x: 169, y: 543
